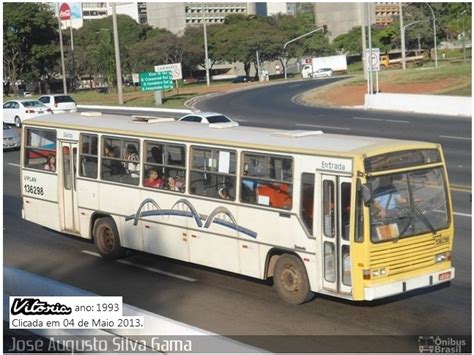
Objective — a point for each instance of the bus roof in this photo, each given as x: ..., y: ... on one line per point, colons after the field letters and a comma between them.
x: 298, y: 141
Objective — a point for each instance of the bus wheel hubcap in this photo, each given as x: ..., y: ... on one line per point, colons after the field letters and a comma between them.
x: 108, y: 238
x: 290, y: 279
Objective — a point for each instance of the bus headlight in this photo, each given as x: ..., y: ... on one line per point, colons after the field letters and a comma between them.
x: 374, y: 273
x: 446, y: 256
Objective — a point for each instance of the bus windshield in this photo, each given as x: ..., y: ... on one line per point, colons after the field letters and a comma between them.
x: 408, y: 204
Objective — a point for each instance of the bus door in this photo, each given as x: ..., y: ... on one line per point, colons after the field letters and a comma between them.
x: 334, y: 217
x: 67, y: 167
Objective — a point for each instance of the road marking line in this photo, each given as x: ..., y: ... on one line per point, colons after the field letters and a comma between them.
x: 367, y: 119
x: 126, y: 262
x: 13, y: 164
x: 462, y: 214
x: 453, y: 137
x: 398, y: 121
x: 328, y: 127
x: 294, y: 86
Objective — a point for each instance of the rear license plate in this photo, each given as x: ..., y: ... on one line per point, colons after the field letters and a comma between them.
x: 40, y: 111
x: 444, y: 276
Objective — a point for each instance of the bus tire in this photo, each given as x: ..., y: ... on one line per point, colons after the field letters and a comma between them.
x: 17, y: 122
x: 107, y: 239
x: 290, y: 280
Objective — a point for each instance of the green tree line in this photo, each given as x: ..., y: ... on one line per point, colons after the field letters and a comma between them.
x: 31, y: 41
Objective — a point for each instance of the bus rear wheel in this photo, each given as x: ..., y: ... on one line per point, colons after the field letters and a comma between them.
x: 290, y: 280
x: 107, y: 239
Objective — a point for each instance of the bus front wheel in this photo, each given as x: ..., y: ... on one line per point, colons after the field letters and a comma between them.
x: 290, y: 280
x: 107, y: 239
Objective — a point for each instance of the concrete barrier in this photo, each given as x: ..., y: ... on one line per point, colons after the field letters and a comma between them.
x: 431, y: 104
x: 17, y: 282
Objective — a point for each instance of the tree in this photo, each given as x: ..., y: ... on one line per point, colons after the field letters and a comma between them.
x: 30, y: 47
x: 88, y: 51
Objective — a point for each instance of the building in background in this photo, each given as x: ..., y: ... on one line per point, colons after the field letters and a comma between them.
x: 341, y: 17
x: 386, y: 13
x: 175, y: 16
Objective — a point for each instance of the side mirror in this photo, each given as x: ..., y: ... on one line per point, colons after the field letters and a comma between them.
x: 366, y: 195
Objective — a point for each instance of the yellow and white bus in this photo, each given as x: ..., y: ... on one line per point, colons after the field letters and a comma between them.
x: 359, y: 218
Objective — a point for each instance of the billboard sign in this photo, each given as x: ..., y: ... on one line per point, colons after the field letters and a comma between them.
x: 64, y: 12
x: 175, y: 70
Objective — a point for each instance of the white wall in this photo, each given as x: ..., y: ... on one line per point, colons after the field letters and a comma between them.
x: 433, y: 104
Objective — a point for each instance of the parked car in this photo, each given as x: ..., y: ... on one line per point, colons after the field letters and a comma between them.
x: 16, y: 111
x: 11, y: 138
x: 241, y: 79
x: 322, y: 73
x: 59, y: 102
x: 207, y: 117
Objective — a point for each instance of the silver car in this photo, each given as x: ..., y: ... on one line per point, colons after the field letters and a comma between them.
x: 323, y: 73
x: 11, y: 138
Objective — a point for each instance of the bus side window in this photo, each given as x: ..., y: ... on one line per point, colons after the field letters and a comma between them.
x: 40, y: 149
x: 307, y: 200
x: 121, y: 160
x: 88, y: 156
x: 165, y: 166
x: 213, y: 172
x: 267, y: 180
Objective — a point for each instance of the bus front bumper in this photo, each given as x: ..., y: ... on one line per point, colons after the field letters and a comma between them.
x: 395, y: 288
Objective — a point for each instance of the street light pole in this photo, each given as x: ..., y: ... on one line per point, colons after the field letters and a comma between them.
x: 299, y: 37
x: 206, y: 60
x: 402, y: 36
x: 117, y: 55
x: 434, y: 35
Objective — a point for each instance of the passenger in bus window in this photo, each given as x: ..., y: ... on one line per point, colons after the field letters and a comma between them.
x: 115, y: 167
x: 132, y: 155
x: 224, y: 193
x: 50, y: 163
x: 153, y: 180
x: 156, y: 155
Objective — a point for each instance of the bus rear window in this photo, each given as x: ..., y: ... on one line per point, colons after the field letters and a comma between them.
x: 40, y: 149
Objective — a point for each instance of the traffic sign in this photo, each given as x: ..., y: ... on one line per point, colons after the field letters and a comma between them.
x: 153, y: 81
x: 175, y: 70
x: 64, y: 12
x: 373, y: 60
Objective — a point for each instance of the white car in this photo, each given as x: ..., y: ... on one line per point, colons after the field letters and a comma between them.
x: 16, y: 111
x: 11, y: 137
x: 207, y: 117
x: 59, y: 102
x: 322, y: 73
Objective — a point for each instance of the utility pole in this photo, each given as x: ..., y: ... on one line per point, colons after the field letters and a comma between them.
x: 371, y: 78
x: 117, y: 55
x: 402, y: 36
x: 364, y: 40
x: 62, y: 51
x: 73, y: 79
x: 206, y: 55
x: 434, y: 35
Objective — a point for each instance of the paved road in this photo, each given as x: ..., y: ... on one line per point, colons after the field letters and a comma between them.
x: 273, y: 107
x: 232, y: 305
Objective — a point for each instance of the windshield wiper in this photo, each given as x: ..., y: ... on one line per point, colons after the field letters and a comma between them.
x: 424, y: 219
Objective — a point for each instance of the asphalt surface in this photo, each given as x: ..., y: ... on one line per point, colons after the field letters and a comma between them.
x: 229, y: 304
